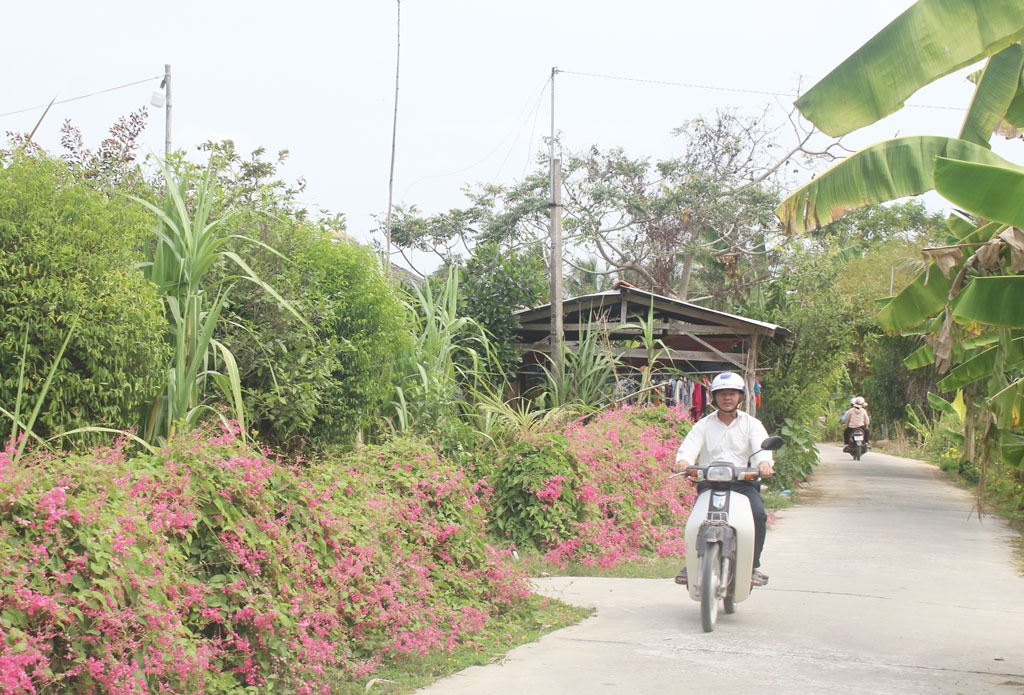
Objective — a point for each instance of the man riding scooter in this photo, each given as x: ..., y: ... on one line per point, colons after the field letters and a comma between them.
x: 731, y: 435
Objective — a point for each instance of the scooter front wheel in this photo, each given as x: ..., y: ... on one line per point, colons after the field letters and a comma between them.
x: 710, y: 577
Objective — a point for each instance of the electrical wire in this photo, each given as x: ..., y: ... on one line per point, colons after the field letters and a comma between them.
x: 726, y: 89
x: 84, y: 96
x: 523, y: 116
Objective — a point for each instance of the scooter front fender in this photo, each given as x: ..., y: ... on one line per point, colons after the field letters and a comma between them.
x: 741, y: 519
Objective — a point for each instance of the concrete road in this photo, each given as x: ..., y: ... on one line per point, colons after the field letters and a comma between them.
x: 881, y: 582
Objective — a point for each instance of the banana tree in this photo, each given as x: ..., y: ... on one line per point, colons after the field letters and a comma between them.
x: 967, y: 302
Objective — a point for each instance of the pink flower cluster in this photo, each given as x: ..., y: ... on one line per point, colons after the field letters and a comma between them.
x: 209, y: 568
x: 632, y: 511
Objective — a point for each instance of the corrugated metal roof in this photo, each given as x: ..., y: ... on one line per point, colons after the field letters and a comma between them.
x: 640, y: 295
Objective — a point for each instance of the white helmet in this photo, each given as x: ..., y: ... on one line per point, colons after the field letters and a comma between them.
x: 853, y: 401
x: 859, y: 400
x: 729, y: 380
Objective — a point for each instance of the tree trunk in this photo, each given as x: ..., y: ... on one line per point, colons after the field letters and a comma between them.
x: 684, y: 282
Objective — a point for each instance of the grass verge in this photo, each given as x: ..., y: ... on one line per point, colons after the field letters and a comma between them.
x: 405, y: 673
x: 647, y: 568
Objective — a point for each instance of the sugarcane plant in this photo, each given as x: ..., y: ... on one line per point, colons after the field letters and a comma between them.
x: 189, y: 244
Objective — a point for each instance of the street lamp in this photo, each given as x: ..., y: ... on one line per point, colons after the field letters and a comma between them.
x: 161, y: 99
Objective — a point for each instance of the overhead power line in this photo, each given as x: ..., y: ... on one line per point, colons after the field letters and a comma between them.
x: 737, y: 90
x: 83, y: 96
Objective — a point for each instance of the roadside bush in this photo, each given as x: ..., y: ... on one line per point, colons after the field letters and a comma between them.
x: 796, y: 460
x: 598, y: 494
x: 67, y: 252
x: 535, y: 491
x: 323, y: 384
x: 208, y: 568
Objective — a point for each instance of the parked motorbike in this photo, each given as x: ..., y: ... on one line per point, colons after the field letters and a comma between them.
x: 858, y: 445
x: 720, y: 537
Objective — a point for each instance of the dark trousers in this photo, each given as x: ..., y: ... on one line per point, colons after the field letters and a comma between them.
x: 752, y: 491
x: 849, y: 430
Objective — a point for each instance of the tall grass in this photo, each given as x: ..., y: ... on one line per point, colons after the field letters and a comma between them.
x: 589, y: 375
x: 446, y: 353
x: 189, y: 245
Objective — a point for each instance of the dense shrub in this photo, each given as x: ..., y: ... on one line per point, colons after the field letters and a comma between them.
x: 322, y: 384
x: 68, y: 252
x: 207, y: 568
x: 535, y: 491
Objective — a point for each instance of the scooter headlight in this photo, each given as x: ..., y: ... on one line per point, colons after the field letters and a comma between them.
x: 719, y: 473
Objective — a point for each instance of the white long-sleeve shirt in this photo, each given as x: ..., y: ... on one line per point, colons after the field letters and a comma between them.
x: 712, y: 441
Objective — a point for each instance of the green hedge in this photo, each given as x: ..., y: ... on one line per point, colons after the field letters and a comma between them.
x: 68, y: 251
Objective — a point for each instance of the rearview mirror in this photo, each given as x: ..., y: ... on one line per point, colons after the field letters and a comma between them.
x: 772, y: 444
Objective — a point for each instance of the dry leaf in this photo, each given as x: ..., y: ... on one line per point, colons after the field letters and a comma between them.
x: 1014, y: 238
x: 988, y: 255
x: 1008, y: 130
x: 943, y: 347
x: 946, y: 257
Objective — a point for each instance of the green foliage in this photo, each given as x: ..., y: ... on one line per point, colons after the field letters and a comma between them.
x: 888, y: 384
x: 427, y: 396
x: 534, y: 501
x: 588, y: 374
x: 68, y: 252
x: 189, y: 244
x: 310, y: 378
x: 494, y: 283
x: 324, y: 385
x: 809, y: 364
x: 795, y: 461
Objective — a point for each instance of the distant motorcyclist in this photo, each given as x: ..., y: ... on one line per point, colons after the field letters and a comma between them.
x: 856, y: 418
x: 732, y: 436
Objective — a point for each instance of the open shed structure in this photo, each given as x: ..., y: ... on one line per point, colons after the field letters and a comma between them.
x: 700, y: 341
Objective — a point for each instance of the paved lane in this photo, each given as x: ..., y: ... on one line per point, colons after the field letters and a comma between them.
x: 881, y: 582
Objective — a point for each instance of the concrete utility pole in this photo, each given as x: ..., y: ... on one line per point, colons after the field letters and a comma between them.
x: 556, y: 249
x: 556, y: 269
x: 167, y: 110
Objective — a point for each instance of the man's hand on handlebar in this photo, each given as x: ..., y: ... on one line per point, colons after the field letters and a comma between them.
x: 765, y: 469
x: 680, y: 466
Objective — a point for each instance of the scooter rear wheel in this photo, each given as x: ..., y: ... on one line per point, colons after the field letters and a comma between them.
x: 710, y: 577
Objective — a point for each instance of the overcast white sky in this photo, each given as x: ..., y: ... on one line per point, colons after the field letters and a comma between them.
x: 317, y: 78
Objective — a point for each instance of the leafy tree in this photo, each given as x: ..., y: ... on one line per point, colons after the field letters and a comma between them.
x: 68, y: 252
x: 494, y: 283
x: 650, y: 223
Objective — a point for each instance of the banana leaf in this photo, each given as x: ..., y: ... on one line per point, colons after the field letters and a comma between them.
x: 931, y: 39
x: 995, y: 301
x: 884, y: 171
x: 981, y: 366
x: 957, y: 408
x: 996, y: 90
x: 921, y: 357
x: 959, y: 226
x: 916, y: 302
x: 993, y: 192
x: 1015, y: 111
x: 1011, y: 449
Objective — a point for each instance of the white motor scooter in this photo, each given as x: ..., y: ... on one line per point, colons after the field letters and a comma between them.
x: 720, y: 537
